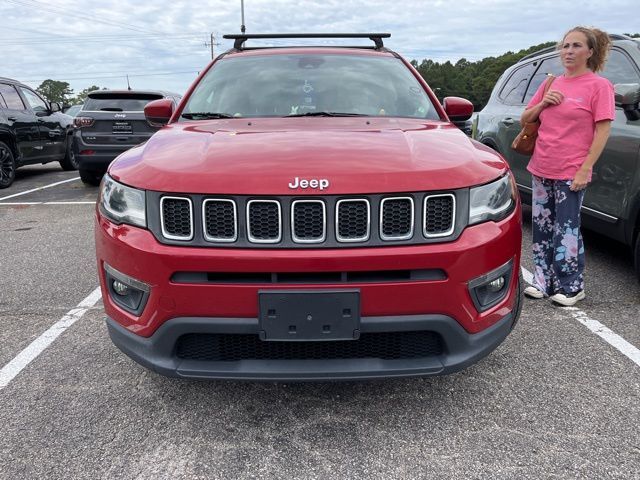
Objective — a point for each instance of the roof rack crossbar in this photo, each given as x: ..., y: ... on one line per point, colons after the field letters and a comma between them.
x: 239, y: 39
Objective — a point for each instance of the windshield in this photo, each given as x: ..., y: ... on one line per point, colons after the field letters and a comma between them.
x: 283, y: 85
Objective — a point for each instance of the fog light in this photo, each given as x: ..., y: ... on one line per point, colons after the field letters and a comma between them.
x: 120, y: 288
x: 127, y: 292
x: 489, y: 289
x: 496, y: 285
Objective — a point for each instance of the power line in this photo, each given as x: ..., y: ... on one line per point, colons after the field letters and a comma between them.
x: 51, y: 9
x: 80, y: 38
x: 123, y: 75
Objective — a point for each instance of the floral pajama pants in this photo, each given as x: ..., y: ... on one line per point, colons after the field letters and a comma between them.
x: 558, y: 251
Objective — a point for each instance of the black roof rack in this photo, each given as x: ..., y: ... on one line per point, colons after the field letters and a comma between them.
x: 243, y: 37
x: 612, y: 36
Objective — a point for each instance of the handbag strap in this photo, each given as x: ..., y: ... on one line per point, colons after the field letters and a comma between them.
x: 549, y: 81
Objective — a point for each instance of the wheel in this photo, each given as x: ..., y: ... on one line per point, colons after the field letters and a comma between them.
x: 7, y: 166
x: 90, y: 177
x: 69, y: 162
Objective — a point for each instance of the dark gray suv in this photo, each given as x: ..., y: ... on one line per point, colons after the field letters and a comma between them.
x: 111, y: 122
x: 612, y: 201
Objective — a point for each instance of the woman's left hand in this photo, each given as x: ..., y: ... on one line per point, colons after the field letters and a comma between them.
x: 580, y: 181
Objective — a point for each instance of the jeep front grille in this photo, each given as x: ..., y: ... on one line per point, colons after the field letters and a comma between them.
x: 177, y: 218
x: 264, y: 221
x: 294, y: 222
x: 439, y: 212
x: 353, y: 220
x: 308, y: 221
x: 220, y: 220
x: 396, y: 218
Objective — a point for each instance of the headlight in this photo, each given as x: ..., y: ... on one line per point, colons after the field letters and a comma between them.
x: 493, y: 201
x: 122, y: 204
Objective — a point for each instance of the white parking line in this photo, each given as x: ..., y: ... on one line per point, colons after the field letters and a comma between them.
x: 26, y: 356
x: 47, y: 203
x: 596, y: 327
x: 39, y: 188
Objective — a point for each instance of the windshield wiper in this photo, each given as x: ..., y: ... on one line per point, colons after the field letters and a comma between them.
x: 327, y: 114
x: 205, y: 115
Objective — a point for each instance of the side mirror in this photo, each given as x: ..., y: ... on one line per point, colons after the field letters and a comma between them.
x: 55, y: 107
x: 627, y: 97
x: 457, y: 109
x: 159, y: 112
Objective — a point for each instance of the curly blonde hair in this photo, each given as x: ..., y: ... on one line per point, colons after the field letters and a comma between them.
x: 598, y: 41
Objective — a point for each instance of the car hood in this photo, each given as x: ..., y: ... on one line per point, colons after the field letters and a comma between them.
x: 264, y: 156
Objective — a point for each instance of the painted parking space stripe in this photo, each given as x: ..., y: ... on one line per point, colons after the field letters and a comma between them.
x: 596, y: 327
x: 39, y: 188
x: 30, y: 353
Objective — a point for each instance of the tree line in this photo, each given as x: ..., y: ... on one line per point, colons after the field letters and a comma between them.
x: 471, y: 80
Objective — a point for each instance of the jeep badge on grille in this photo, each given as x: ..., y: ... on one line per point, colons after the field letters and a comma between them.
x: 320, y: 183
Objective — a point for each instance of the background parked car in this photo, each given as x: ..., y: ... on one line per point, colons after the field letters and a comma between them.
x: 110, y: 122
x: 32, y: 130
x: 612, y: 201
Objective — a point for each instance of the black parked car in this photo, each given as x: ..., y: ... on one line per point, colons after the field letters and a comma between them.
x: 612, y: 201
x: 32, y: 130
x: 110, y: 122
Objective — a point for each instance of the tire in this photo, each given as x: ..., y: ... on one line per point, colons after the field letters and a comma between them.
x: 7, y: 166
x: 69, y: 162
x: 90, y: 177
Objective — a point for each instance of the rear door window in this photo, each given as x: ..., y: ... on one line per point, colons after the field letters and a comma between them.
x: 11, y: 97
x: 115, y: 103
x: 515, y: 87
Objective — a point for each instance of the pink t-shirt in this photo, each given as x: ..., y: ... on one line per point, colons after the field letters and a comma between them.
x: 566, y: 130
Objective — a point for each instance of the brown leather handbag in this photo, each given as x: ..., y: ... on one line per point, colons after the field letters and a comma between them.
x: 525, y: 142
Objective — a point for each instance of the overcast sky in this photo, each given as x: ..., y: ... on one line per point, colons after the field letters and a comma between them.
x: 164, y: 44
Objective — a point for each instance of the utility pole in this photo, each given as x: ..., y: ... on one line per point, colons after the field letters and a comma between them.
x: 212, y: 43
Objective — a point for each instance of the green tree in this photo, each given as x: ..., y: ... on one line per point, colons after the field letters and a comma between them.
x: 54, y: 90
x: 82, y: 96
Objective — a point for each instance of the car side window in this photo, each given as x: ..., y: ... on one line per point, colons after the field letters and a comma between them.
x: 11, y: 97
x: 37, y: 104
x: 619, y: 68
x: 513, y: 90
x: 549, y: 66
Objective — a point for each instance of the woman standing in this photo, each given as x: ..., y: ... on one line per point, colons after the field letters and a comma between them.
x: 575, y: 119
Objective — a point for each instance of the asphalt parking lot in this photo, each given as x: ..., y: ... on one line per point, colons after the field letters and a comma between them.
x: 556, y: 400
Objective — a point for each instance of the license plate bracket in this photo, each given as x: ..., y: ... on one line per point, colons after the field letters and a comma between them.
x: 303, y: 315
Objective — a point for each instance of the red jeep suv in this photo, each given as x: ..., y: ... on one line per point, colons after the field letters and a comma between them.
x: 309, y: 213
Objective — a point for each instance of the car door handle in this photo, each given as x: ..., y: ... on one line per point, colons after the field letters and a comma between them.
x: 13, y: 119
x: 40, y: 120
x: 55, y: 133
x: 507, y: 121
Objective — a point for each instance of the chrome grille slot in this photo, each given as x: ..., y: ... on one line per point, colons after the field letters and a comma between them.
x: 177, y: 218
x: 308, y: 221
x: 353, y: 221
x: 264, y: 221
x: 396, y: 218
x: 439, y: 215
x: 220, y: 220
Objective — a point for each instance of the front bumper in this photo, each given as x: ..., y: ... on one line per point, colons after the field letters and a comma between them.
x: 158, y: 352
x: 443, y: 306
